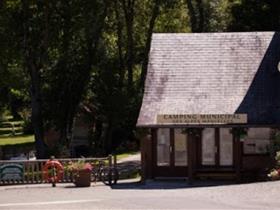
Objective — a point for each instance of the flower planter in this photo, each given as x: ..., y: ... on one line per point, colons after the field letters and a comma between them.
x: 82, y: 178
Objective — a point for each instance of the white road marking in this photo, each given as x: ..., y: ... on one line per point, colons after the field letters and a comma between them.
x: 48, y: 203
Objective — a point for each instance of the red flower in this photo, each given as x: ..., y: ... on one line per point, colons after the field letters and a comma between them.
x: 88, y: 167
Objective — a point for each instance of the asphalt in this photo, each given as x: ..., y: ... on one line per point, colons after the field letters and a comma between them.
x: 132, y: 194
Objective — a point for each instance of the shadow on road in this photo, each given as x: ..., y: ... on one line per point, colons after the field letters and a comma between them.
x: 127, y: 169
x: 168, y: 184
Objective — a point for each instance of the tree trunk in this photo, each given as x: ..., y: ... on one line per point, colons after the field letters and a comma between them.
x: 36, y: 114
x: 108, y: 138
x: 192, y: 15
x: 201, y: 16
x: 155, y: 14
x: 33, y: 69
x: 98, y: 134
x: 196, y: 14
x: 128, y: 7
x: 71, y: 102
x: 120, y: 44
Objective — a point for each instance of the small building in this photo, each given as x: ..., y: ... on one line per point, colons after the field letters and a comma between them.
x: 211, y: 103
x: 83, y: 125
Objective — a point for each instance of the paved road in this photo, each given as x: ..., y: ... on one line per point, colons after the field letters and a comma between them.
x: 153, y: 195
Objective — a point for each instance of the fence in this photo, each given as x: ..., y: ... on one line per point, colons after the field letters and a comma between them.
x: 30, y: 171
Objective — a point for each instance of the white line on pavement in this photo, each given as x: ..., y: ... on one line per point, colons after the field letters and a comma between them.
x: 47, y: 203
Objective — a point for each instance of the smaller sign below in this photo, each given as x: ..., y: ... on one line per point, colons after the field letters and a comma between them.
x: 201, y: 119
x: 11, y: 171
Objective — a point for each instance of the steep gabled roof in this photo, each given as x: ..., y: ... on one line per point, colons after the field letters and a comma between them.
x: 213, y: 73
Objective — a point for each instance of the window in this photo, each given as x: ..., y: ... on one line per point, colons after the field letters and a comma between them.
x: 163, y: 147
x: 180, y: 144
x: 208, y: 146
x: 256, y: 141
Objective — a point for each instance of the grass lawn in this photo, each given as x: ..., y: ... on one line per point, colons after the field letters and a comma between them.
x: 20, y: 139
x: 126, y: 154
x: 9, y: 131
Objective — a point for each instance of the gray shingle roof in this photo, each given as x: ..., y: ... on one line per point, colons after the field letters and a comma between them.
x: 213, y: 73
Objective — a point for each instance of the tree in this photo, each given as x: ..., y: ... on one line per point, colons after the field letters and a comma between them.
x: 81, y: 26
x: 255, y: 15
x: 96, y: 51
x: 155, y: 13
x: 12, y: 78
x: 35, y: 47
x: 58, y: 61
x: 117, y: 82
x: 196, y: 15
x: 208, y: 16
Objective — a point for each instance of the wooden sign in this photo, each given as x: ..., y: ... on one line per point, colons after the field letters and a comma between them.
x: 11, y: 171
x: 202, y: 119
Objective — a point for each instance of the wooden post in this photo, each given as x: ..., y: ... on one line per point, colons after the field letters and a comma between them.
x: 27, y: 170
x: 37, y: 169
x: 110, y: 170
x: 190, y: 157
x: 143, y: 147
x: 217, y: 142
x: 146, y: 158
x: 238, y: 158
x: 32, y: 172
x: 53, y: 173
x: 115, y: 169
x: 1, y: 153
x: 150, y: 157
x: 41, y: 169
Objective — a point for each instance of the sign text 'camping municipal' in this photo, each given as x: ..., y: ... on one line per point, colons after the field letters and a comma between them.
x: 196, y: 119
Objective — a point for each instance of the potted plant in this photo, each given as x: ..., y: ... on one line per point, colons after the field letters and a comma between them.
x: 275, y: 172
x: 81, y: 172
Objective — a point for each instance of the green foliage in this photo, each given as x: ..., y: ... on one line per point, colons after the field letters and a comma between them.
x: 254, y: 15
x: 78, y: 165
x: 27, y: 127
x: 173, y: 18
x: 275, y: 145
x: 59, y: 54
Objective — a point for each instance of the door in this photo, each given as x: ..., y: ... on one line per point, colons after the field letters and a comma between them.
x: 216, y: 148
x: 170, y: 153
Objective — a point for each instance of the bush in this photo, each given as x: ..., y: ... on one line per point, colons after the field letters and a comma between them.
x: 275, y: 146
x: 127, y: 146
x: 27, y: 127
